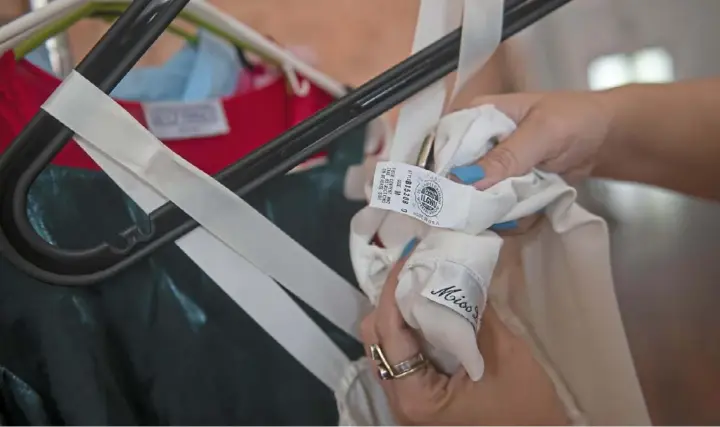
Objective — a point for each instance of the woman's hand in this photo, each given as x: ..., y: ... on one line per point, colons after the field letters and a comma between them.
x: 557, y: 132
x: 514, y: 390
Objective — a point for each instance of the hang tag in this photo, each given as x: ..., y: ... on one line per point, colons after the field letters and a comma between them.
x: 183, y: 120
x: 421, y: 194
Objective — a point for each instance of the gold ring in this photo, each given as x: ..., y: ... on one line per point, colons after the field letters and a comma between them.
x: 390, y: 372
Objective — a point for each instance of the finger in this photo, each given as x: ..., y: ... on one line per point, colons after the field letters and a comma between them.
x: 369, y: 337
x: 514, y: 156
x: 399, y: 342
x: 519, y: 152
x: 367, y: 332
x: 367, y: 326
x: 514, y: 105
x: 520, y: 226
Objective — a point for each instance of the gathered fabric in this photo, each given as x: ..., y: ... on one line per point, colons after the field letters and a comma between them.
x: 561, y: 300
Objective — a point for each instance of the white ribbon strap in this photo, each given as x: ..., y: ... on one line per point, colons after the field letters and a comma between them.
x: 104, y: 125
x: 481, y: 34
x: 419, y: 114
x: 109, y: 128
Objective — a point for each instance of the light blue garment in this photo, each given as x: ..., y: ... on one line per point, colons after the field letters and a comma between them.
x: 208, y: 70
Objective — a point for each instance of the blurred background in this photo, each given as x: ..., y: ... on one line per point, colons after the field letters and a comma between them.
x: 664, y: 245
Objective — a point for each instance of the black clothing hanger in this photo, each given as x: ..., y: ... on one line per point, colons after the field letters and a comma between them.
x: 43, y: 137
x: 31, y: 152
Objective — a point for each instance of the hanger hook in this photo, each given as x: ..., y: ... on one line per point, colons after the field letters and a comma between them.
x: 299, y: 87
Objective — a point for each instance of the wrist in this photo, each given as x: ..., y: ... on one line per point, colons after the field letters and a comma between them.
x: 615, y: 110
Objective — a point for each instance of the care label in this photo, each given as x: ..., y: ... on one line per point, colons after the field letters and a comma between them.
x: 463, y: 298
x: 183, y: 120
x: 420, y: 193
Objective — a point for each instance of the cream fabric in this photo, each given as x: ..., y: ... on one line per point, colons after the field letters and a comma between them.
x: 361, y: 400
x: 564, y: 303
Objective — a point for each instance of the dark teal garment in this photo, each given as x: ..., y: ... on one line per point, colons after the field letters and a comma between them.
x: 161, y: 343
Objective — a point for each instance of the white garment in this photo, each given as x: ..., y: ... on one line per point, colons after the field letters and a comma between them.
x: 565, y: 306
x: 361, y: 400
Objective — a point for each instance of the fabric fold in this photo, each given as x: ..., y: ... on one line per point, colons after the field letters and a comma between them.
x: 571, y: 319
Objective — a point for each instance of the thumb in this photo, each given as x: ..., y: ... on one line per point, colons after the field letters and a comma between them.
x: 514, y: 156
x: 401, y: 342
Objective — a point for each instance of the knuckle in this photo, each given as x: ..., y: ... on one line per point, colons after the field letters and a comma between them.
x: 505, y: 160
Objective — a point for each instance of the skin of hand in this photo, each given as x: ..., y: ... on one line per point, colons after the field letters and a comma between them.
x: 515, y: 390
x: 664, y: 135
x: 557, y: 132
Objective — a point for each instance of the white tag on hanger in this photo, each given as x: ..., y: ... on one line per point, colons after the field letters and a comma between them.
x: 421, y: 194
x: 184, y: 120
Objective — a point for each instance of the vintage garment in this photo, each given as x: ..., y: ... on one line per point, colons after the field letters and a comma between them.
x: 197, y: 72
x: 567, y: 276
x: 160, y: 343
x: 565, y: 306
x: 261, y: 109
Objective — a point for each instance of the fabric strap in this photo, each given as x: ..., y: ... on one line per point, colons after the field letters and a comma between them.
x: 482, y: 22
x: 481, y: 33
x: 236, y: 247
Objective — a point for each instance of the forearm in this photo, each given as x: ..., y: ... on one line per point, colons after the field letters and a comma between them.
x: 665, y: 135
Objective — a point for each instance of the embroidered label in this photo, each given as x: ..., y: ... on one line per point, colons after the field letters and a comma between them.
x: 183, y: 120
x: 463, y: 298
x: 420, y: 193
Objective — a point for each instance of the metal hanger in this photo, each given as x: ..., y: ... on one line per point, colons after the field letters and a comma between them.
x: 43, y: 138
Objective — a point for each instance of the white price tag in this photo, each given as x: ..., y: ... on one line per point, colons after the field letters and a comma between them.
x: 184, y: 120
x: 422, y: 194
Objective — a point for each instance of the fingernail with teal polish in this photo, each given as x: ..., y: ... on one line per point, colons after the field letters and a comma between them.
x: 409, y: 248
x: 469, y: 174
x: 504, y: 226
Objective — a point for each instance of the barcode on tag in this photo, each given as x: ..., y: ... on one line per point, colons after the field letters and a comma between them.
x: 184, y: 120
x: 420, y: 193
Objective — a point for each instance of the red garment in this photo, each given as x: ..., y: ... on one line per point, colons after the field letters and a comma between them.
x: 261, y: 109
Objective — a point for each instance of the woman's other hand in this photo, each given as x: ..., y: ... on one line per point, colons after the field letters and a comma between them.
x: 557, y: 132
x: 515, y: 390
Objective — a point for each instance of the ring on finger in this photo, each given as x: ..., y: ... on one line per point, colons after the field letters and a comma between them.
x: 389, y: 371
